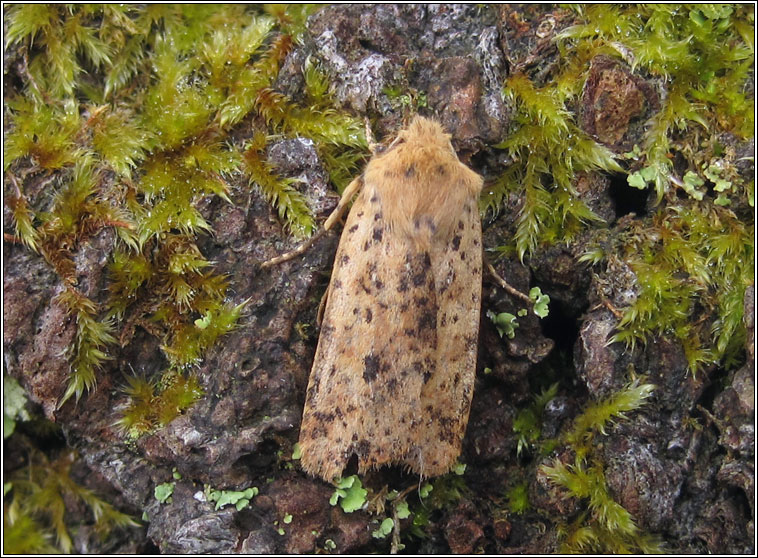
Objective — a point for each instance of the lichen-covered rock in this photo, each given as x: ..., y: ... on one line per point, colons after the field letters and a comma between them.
x: 447, y: 51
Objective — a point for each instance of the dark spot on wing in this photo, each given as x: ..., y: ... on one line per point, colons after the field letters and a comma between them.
x: 447, y: 429
x: 410, y: 171
x: 327, y: 331
x: 392, y: 385
x: 322, y: 417
x: 312, y: 391
x: 362, y: 448
x: 369, y: 315
x: 456, y: 242
x: 337, y: 284
x: 402, y: 285
x: 471, y: 342
x: 362, y: 285
x: 377, y: 236
x: 345, y: 259
x: 353, y: 228
x: 370, y: 367
x: 420, y: 269
x: 427, y: 320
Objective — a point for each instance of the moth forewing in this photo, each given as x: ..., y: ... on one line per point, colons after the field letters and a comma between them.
x: 393, y: 374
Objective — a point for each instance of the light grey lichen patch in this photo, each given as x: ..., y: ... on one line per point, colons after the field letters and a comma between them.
x: 490, y: 58
x: 356, y: 85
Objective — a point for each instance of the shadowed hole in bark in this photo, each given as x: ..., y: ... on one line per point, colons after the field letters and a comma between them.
x: 627, y: 199
x: 738, y: 496
x: 352, y: 467
x: 262, y: 459
x: 560, y: 326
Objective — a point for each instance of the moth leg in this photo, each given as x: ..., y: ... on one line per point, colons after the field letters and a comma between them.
x: 347, y: 195
x: 322, y: 308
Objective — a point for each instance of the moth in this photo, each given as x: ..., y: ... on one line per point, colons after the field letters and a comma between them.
x: 393, y: 374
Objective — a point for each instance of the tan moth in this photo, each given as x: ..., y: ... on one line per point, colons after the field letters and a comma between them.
x: 393, y: 375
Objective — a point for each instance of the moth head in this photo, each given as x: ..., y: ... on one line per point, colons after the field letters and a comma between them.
x: 425, y: 132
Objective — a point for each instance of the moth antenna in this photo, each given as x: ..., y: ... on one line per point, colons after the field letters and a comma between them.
x: 370, y: 139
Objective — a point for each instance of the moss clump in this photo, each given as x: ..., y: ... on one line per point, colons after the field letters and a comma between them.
x: 703, y: 55
x: 153, y: 405
x: 129, y: 110
x: 693, y: 255
x: 692, y: 260
x: 550, y: 148
x: 605, y: 526
x: 41, y: 493
x: 528, y: 422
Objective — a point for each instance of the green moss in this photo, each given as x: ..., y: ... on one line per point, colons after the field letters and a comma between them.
x: 42, y: 493
x: 518, y: 498
x: 291, y: 204
x: 690, y: 261
x: 528, y: 422
x: 702, y: 58
x: 153, y: 405
x: 703, y: 55
x: 605, y: 526
x: 43, y: 132
x: 549, y: 149
x: 87, y: 353
x: 150, y: 94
